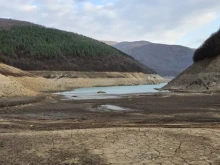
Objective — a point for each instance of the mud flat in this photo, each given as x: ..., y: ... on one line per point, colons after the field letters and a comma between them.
x: 112, y: 146
x: 148, y: 129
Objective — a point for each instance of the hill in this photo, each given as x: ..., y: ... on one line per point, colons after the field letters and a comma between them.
x: 166, y: 60
x: 110, y: 43
x: 130, y: 45
x: 210, y: 48
x: 204, y: 74
x: 7, y: 23
x: 33, y: 47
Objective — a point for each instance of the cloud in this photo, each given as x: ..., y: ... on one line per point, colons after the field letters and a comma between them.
x: 157, y: 21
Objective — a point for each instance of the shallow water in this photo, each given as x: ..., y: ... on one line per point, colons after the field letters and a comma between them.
x: 112, y: 108
x: 110, y: 92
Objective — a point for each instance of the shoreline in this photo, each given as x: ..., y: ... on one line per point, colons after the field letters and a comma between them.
x: 34, y: 85
x: 58, y: 97
x: 56, y: 131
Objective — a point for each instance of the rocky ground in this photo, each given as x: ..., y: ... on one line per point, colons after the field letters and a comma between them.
x: 202, y: 76
x: 152, y: 129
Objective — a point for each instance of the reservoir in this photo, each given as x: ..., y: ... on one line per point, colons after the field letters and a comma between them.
x: 109, y: 92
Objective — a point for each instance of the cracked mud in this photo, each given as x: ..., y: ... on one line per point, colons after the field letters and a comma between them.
x: 159, y: 130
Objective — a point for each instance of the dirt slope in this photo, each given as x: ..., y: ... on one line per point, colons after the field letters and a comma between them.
x: 9, y: 86
x: 15, y: 82
x: 202, y: 76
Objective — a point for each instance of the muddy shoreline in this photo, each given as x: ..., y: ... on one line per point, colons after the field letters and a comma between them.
x: 145, y: 110
x: 160, y: 128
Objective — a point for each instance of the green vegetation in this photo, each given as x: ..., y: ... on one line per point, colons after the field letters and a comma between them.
x: 210, y: 48
x: 40, y: 42
x: 34, y: 47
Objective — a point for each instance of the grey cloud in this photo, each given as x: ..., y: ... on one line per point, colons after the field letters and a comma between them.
x: 157, y: 21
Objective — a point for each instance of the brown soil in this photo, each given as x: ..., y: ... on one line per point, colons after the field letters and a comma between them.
x: 15, y: 82
x: 154, y: 129
x: 202, y: 76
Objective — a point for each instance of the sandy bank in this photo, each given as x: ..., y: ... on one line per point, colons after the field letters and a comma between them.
x: 62, y: 83
x: 10, y: 87
x: 15, y: 82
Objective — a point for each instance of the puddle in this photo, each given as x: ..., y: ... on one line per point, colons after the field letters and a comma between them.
x: 112, y: 108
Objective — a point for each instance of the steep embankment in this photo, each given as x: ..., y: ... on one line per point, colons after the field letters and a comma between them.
x: 15, y: 82
x: 166, y: 60
x: 204, y: 74
x: 32, y: 47
x: 69, y: 80
x: 10, y: 85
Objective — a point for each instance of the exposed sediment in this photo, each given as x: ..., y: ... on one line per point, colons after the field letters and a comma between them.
x: 112, y: 146
x: 15, y: 82
x: 157, y: 129
x: 202, y: 76
x: 69, y: 80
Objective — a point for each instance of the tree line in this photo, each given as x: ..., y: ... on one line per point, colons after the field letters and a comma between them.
x: 40, y: 42
x: 41, y: 48
x: 210, y: 48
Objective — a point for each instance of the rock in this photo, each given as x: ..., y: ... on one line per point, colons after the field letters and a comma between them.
x: 101, y: 92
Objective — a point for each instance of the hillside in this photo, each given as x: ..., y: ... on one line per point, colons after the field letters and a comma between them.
x: 204, y: 74
x: 166, y: 60
x: 32, y: 47
x: 10, y: 86
x: 15, y: 82
x: 130, y: 45
x: 110, y: 43
x: 7, y: 23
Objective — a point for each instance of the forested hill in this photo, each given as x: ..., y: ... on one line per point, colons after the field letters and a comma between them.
x: 7, y: 23
x: 33, y: 47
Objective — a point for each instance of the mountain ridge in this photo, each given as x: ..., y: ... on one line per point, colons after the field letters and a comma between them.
x: 34, y: 47
x: 167, y: 60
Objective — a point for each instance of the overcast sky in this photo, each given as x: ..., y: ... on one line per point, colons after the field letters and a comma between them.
x: 186, y: 22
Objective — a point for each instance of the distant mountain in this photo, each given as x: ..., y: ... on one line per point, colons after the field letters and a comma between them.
x: 110, y: 43
x: 33, y: 47
x: 166, y: 60
x: 204, y: 74
x: 130, y: 45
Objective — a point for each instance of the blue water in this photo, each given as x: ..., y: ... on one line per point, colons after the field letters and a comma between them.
x: 91, y: 93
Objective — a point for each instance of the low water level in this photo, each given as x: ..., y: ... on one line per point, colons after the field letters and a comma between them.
x: 109, y: 92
